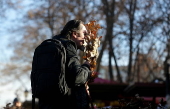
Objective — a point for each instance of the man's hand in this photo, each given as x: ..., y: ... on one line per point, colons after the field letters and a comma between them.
x: 93, y: 76
x: 87, y: 62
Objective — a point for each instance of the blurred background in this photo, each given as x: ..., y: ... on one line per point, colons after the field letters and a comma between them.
x: 135, y: 44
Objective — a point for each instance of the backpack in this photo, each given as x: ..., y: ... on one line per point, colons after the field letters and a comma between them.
x: 48, y: 70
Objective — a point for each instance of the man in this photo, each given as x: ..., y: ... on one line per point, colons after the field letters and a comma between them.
x: 72, y: 37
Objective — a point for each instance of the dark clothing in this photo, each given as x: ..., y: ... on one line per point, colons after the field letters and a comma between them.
x: 76, y: 77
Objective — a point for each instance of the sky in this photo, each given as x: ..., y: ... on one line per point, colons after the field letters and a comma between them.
x: 7, y: 92
x: 6, y: 95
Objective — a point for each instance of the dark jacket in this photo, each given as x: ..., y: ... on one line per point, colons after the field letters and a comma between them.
x: 76, y: 76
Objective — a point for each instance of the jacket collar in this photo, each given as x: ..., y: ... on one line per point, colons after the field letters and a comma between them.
x: 65, y: 40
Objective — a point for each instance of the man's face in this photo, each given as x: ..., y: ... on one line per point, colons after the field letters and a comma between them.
x: 78, y: 37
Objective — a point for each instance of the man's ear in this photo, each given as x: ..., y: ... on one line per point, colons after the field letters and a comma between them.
x: 74, y: 34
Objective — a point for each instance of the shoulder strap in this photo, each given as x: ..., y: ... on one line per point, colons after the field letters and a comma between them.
x: 57, y: 41
x: 51, y: 40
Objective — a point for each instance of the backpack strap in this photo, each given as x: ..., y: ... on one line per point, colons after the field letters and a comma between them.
x: 51, y: 40
x: 57, y: 41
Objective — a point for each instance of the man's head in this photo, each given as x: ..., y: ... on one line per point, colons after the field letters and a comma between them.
x: 76, y: 31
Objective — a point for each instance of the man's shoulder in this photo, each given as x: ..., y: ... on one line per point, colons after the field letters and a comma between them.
x: 61, y: 39
x: 66, y: 42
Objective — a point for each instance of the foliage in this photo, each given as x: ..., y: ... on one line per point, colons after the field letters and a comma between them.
x: 131, y: 34
x: 92, y: 42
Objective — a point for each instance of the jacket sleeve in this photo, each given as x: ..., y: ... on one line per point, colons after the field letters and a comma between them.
x: 76, y: 74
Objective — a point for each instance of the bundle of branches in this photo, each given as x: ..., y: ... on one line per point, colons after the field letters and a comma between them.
x: 92, y: 42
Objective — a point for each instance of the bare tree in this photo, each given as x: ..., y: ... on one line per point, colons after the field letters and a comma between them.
x: 41, y: 21
x: 109, y: 12
x: 164, y: 6
x: 130, y: 31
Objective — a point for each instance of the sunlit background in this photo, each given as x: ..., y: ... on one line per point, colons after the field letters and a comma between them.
x: 135, y: 45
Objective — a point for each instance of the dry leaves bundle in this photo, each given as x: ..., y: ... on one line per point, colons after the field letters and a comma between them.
x: 92, y: 42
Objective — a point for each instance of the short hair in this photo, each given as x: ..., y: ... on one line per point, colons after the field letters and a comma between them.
x: 72, y: 25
